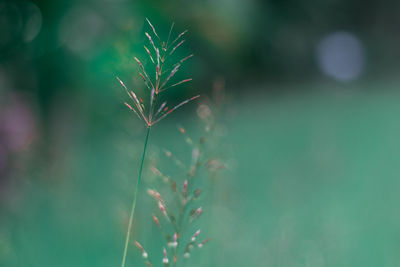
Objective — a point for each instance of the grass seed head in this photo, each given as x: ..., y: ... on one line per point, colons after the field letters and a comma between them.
x: 174, y: 243
x: 159, y: 83
x: 144, y: 253
x: 162, y: 208
x: 154, y: 194
x: 185, y: 186
x: 165, y: 259
x: 156, y: 220
x: 201, y: 244
x: 195, y: 235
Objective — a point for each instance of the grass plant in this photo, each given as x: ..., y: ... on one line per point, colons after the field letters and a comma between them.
x: 157, y: 82
x: 181, y: 188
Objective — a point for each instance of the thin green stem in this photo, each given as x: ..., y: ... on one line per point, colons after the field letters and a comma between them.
x: 128, y: 233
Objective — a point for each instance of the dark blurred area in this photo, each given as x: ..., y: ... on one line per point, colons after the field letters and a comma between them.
x: 62, y: 114
x: 54, y: 52
x: 254, y: 37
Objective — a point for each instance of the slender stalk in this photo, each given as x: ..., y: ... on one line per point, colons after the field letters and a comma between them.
x: 128, y: 233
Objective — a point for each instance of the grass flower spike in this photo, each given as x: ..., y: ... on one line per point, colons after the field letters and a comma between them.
x: 157, y: 81
x: 160, y: 83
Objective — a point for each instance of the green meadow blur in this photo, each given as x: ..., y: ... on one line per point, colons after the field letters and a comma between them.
x: 308, y: 131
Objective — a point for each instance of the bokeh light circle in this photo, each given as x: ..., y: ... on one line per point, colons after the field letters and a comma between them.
x: 80, y: 29
x: 340, y: 55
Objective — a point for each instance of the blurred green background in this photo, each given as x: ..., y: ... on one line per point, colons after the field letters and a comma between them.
x: 309, y: 130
